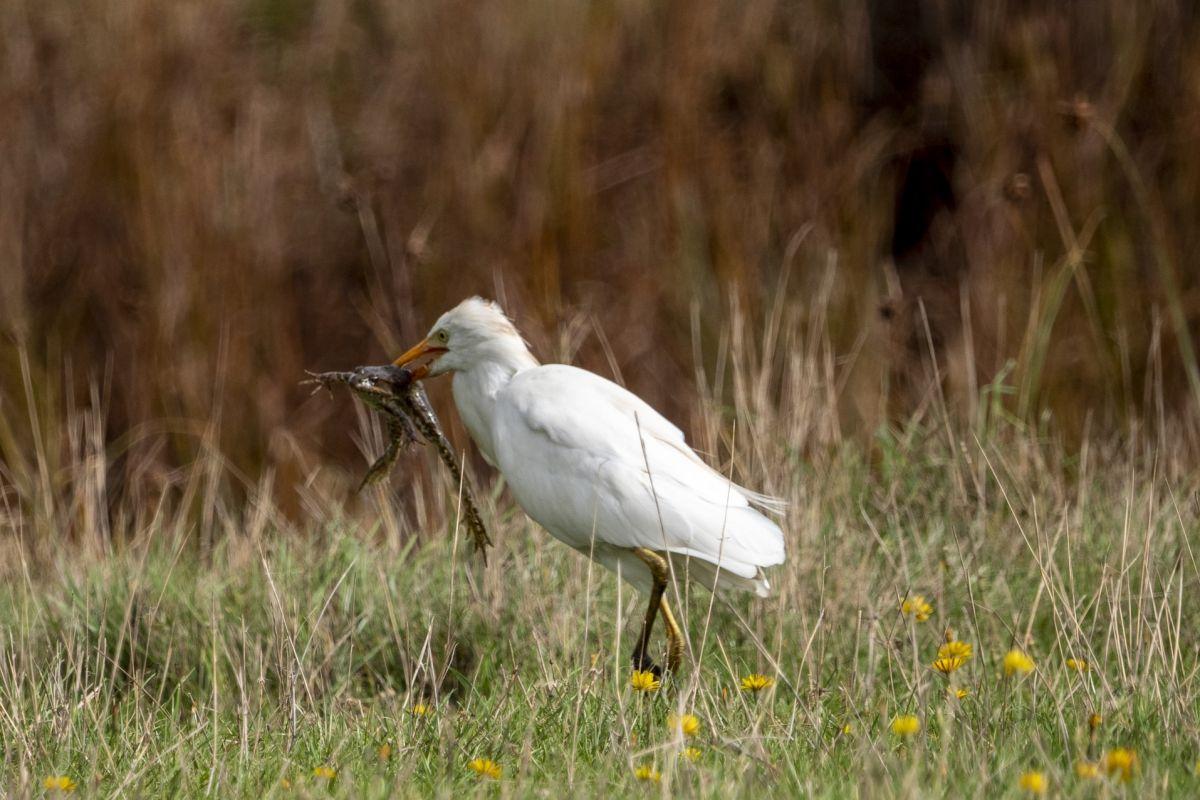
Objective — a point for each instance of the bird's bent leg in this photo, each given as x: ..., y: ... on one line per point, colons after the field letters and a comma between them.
x: 674, y: 637
x: 658, y: 573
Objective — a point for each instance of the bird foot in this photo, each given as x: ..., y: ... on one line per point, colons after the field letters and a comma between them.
x: 642, y: 663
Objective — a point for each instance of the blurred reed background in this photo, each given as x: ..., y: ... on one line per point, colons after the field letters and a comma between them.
x: 200, y: 200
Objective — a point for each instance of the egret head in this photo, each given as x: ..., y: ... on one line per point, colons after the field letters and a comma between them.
x: 474, y: 332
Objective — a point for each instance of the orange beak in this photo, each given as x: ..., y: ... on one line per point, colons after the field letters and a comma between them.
x: 422, y: 348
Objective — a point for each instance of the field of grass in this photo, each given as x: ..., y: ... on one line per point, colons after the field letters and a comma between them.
x: 968, y: 232
x: 202, y: 646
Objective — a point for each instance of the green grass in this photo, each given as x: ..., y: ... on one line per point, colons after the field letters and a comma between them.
x: 159, y: 667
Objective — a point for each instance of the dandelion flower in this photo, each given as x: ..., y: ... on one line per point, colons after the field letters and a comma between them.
x: 1016, y: 661
x: 644, y: 681
x: 485, y: 768
x: 1032, y: 782
x: 948, y: 664
x: 690, y: 753
x: 328, y: 773
x: 906, y: 725
x: 1094, y: 721
x: 916, y: 607
x: 419, y: 710
x: 847, y: 729
x: 961, y: 693
x: 1087, y: 770
x: 647, y: 772
x: 956, y: 649
x: 1077, y: 664
x: 61, y: 783
x: 1120, y: 762
x: 689, y: 724
x: 756, y: 683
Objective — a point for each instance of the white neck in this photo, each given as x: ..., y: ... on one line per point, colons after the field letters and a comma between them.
x: 475, y: 390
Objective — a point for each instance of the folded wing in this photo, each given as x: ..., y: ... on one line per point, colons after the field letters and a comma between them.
x: 589, y: 460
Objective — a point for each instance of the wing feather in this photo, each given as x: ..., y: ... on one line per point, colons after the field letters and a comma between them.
x: 575, y: 448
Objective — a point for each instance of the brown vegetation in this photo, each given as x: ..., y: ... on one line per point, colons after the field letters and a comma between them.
x: 203, y: 199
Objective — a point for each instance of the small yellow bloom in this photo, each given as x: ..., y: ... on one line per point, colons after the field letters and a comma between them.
x: 328, y: 773
x: 906, y: 725
x: 486, y: 768
x: 384, y: 751
x: 1120, y: 762
x: 61, y: 783
x: 916, y: 607
x: 647, y: 772
x: 948, y: 664
x: 956, y: 649
x: 847, y: 729
x: 690, y: 753
x: 689, y: 724
x: 1077, y: 664
x: 1033, y: 782
x: 420, y: 710
x: 961, y: 693
x: 1016, y: 661
x: 1087, y: 770
x: 284, y: 783
x: 756, y: 683
x: 644, y: 681
x: 1094, y: 721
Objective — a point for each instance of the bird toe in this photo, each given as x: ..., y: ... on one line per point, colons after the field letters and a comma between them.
x: 643, y: 663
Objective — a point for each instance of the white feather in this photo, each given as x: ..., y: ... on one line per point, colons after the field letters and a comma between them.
x: 586, y: 458
x: 596, y: 466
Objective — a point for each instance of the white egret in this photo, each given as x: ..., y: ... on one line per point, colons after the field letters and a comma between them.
x: 600, y: 469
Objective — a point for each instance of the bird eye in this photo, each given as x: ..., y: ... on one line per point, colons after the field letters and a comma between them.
x: 442, y: 336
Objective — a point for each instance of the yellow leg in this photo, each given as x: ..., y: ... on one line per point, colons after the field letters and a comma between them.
x: 674, y: 637
x: 660, y: 573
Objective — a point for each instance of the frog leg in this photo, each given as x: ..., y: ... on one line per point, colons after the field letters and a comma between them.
x: 396, y: 434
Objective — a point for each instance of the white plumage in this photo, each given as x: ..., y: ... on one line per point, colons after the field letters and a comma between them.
x: 595, y: 465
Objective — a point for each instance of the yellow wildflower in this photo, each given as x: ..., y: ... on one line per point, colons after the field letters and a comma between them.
x: 690, y: 753
x: 961, y: 693
x: 644, y: 681
x: 1077, y: 664
x: 689, y: 724
x: 756, y: 683
x: 328, y: 773
x: 284, y: 783
x: 1033, y: 782
x: 384, y: 751
x: 1094, y: 721
x: 420, y: 710
x: 948, y: 664
x: 647, y: 772
x: 1016, y: 661
x: 916, y: 607
x: 1120, y: 762
x: 485, y: 768
x: 956, y: 649
x: 847, y: 729
x: 61, y: 783
x: 906, y: 725
x: 1087, y: 770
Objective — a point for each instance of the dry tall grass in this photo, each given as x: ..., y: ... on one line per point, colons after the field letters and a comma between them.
x: 202, y: 645
x: 203, y: 199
